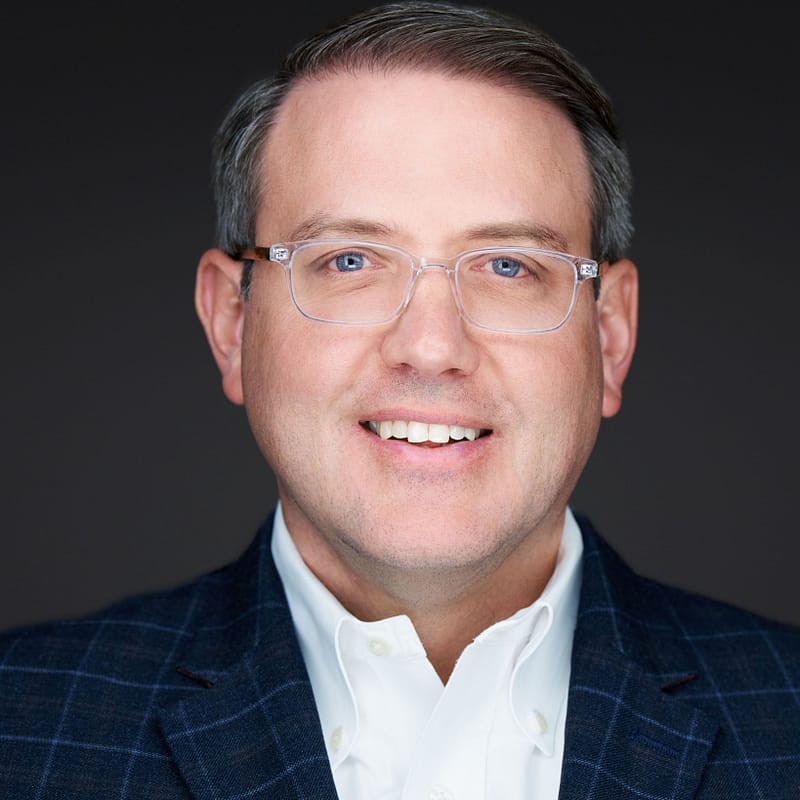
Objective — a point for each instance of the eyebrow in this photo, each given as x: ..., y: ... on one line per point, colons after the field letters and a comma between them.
x: 542, y: 235
x: 323, y: 224
x: 319, y: 225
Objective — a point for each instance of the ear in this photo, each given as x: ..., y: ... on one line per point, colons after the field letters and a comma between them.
x: 618, y: 312
x: 220, y: 306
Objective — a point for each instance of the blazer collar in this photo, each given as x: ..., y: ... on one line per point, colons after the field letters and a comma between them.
x: 628, y: 732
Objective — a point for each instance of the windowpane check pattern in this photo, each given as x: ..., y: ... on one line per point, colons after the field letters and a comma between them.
x: 507, y: 289
x: 671, y: 696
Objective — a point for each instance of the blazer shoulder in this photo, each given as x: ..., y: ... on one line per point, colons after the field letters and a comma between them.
x: 134, y: 634
x: 82, y: 696
x: 644, y: 608
x: 693, y: 656
x: 676, y: 632
x: 78, y: 696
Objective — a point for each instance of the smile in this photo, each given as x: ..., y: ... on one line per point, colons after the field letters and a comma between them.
x: 424, y: 433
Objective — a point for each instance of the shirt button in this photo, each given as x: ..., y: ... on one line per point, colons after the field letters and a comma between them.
x: 440, y: 793
x: 336, y: 739
x: 539, y: 722
x: 379, y: 647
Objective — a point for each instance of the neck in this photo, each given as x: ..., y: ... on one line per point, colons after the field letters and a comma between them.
x: 448, y: 607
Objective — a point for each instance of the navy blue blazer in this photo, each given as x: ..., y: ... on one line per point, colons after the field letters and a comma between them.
x: 202, y: 692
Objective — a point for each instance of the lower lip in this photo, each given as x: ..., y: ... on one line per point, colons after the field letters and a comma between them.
x: 446, y: 456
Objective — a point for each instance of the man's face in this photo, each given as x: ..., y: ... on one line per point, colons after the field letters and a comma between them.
x: 435, y: 165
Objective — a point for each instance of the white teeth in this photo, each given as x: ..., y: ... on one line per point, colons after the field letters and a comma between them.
x: 418, y: 432
x: 439, y: 433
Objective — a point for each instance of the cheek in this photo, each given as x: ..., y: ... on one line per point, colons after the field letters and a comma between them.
x: 295, y: 371
x: 560, y: 390
x: 581, y: 397
x: 264, y: 361
x: 274, y: 370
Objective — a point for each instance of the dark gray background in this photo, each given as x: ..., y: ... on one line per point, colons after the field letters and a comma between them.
x: 125, y: 469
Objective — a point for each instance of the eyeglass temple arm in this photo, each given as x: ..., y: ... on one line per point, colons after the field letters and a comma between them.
x: 254, y: 254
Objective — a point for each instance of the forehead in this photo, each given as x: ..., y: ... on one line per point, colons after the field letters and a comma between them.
x: 418, y: 150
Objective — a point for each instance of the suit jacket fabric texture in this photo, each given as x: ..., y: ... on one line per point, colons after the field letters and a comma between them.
x: 201, y: 692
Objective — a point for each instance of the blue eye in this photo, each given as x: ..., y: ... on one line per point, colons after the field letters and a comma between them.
x: 350, y: 262
x: 506, y: 267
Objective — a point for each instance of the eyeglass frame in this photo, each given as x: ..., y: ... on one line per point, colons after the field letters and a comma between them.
x: 283, y: 253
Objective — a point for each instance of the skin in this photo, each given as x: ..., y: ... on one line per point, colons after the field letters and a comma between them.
x: 460, y: 536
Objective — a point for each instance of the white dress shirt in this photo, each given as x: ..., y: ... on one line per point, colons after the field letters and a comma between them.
x: 393, y: 731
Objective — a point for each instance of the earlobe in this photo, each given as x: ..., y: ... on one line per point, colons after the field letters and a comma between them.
x: 617, y: 310
x: 220, y: 307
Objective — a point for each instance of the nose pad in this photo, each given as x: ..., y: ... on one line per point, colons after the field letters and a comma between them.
x: 449, y: 272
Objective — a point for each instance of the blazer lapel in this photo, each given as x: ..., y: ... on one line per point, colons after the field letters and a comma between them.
x: 628, y: 733
x: 254, y: 731
x: 255, y: 735
x: 625, y: 737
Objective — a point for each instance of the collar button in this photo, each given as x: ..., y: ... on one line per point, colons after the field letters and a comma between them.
x: 539, y: 722
x: 336, y: 739
x: 378, y: 646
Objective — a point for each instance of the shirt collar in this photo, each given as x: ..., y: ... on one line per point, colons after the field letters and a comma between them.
x: 543, y: 634
x: 318, y: 617
x: 540, y: 681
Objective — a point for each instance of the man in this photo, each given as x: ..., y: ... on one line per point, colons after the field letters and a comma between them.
x: 421, y: 297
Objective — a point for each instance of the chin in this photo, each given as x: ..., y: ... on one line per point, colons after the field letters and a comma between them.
x: 449, y: 540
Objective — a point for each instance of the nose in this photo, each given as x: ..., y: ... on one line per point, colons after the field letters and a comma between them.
x: 429, y: 336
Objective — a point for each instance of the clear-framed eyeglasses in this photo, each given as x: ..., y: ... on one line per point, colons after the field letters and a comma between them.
x: 505, y: 289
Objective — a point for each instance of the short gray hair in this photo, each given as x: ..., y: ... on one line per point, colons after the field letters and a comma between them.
x: 462, y: 41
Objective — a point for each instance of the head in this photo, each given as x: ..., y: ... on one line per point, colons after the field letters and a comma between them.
x: 437, y: 129
x: 459, y: 41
